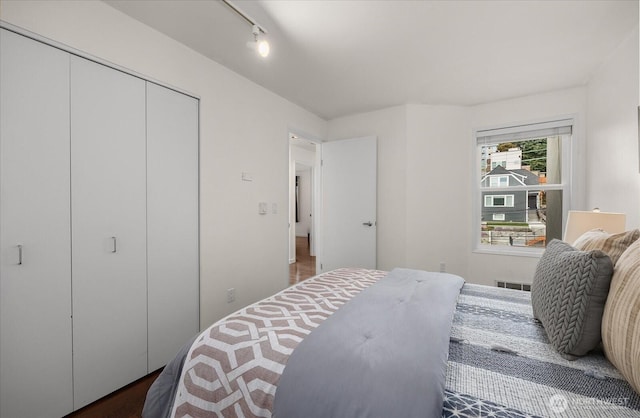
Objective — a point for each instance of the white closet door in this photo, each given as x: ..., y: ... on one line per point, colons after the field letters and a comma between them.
x: 35, y: 292
x: 172, y: 229
x: 108, y: 229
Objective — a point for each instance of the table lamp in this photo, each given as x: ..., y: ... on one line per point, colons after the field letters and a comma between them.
x: 579, y: 222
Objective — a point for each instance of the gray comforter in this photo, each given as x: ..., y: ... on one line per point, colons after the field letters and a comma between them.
x: 383, y: 354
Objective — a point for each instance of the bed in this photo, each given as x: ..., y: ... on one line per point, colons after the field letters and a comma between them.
x: 498, y: 360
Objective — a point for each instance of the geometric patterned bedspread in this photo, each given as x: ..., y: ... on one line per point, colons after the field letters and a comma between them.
x: 233, y: 367
x: 501, y: 364
x: 500, y: 361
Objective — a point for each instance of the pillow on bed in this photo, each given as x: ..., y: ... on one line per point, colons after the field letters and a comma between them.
x: 612, y: 244
x: 621, y: 320
x: 568, y: 294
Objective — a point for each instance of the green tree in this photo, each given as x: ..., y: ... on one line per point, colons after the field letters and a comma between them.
x: 506, y: 146
x: 534, y: 152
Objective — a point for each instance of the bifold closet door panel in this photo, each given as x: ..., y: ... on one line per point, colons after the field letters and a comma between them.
x: 108, y: 193
x: 172, y: 228
x: 35, y: 263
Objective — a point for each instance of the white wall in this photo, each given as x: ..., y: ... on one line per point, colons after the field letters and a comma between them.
x: 238, y: 247
x: 438, y: 188
x: 389, y: 125
x: 613, y: 173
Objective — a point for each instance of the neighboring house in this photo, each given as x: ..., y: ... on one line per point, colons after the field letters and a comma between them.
x: 485, y: 158
x: 507, y: 205
x: 511, y: 159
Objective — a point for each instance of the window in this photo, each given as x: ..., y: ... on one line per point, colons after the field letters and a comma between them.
x: 523, y: 185
x: 498, y: 181
x: 502, y: 163
x: 491, y: 201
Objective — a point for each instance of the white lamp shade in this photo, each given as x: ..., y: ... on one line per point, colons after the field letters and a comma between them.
x: 579, y: 222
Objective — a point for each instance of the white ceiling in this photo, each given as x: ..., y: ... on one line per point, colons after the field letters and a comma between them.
x: 341, y: 57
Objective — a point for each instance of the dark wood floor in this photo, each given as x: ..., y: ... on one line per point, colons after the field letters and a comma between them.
x: 124, y: 403
x: 128, y: 401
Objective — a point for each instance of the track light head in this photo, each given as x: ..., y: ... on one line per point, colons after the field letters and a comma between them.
x: 259, y: 44
x: 263, y: 48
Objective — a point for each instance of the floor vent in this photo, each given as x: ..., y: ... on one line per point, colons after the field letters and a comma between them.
x: 517, y: 286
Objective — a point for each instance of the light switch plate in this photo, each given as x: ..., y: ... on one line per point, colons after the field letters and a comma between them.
x: 262, y: 208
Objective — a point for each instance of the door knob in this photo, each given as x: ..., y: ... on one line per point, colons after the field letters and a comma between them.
x: 367, y: 223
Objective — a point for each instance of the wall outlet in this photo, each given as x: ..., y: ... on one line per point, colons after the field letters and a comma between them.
x: 443, y: 267
x: 231, y: 294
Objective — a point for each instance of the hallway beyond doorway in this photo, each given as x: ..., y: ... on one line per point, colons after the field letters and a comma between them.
x: 305, y: 265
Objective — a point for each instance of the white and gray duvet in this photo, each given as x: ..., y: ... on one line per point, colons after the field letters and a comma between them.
x: 499, y: 362
x: 383, y: 354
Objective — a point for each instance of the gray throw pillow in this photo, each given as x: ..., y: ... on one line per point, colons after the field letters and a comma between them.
x: 568, y: 294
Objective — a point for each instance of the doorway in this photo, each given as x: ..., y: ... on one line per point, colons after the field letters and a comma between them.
x: 303, y: 192
x: 343, y: 228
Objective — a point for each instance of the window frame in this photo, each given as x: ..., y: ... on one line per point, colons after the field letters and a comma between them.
x: 502, y: 163
x: 499, y: 179
x: 506, y: 197
x: 567, y: 185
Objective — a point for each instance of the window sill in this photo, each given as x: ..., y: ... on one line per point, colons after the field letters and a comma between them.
x: 511, y: 251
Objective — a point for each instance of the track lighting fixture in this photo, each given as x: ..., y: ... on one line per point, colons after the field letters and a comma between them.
x: 259, y: 44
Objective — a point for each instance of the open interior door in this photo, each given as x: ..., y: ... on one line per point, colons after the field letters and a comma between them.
x: 349, y: 176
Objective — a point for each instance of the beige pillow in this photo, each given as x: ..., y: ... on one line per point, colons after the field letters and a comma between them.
x: 611, y: 244
x: 621, y: 318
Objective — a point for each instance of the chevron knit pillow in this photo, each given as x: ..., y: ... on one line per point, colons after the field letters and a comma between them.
x: 568, y: 294
x: 621, y: 320
x: 612, y: 244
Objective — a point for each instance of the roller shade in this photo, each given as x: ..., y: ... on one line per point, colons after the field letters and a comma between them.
x: 523, y: 132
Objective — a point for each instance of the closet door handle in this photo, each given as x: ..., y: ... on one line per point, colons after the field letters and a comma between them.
x: 115, y: 245
x: 19, y: 254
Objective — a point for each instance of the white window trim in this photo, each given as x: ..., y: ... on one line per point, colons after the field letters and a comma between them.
x: 569, y: 184
x: 504, y: 196
x: 499, y: 178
